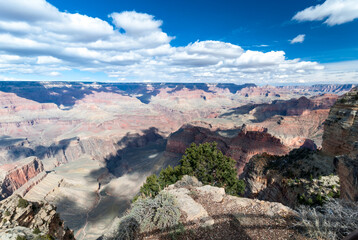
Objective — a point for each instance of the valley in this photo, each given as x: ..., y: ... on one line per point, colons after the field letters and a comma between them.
x: 87, y: 147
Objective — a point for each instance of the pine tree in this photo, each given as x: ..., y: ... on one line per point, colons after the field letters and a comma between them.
x: 207, y: 163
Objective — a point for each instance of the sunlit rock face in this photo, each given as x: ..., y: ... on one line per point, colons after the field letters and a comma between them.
x: 95, y: 143
x: 240, y: 147
x: 341, y: 127
x: 15, y: 175
x: 22, y: 216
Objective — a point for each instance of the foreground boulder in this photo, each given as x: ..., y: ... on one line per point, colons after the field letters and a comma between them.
x: 207, y: 212
x: 39, y: 218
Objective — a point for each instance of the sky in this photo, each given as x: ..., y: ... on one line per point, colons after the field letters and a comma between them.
x: 258, y: 41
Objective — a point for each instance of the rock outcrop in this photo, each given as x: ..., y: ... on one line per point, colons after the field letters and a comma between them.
x: 292, y: 179
x: 341, y: 127
x: 39, y: 217
x: 341, y: 139
x: 208, y: 213
x: 347, y: 169
x: 240, y: 147
x: 15, y: 175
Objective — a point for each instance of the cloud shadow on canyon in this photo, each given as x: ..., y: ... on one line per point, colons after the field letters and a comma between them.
x: 20, y: 151
x: 136, y: 150
x: 68, y: 93
x: 264, y: 111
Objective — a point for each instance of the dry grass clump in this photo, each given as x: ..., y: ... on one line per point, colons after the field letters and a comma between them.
x: 334, y: 220
x: 156, y: 213
x: 147, y: 214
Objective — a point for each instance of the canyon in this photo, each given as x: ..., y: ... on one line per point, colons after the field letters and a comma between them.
x: 87, y: 147
x: 309, y: 175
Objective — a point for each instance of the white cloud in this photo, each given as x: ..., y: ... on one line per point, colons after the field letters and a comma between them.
x: 47, y: 60
x: 38, y: 39
x: 137, y: 24
x: 299, y: 39
x: 54, y: 74
x: 334, y: 11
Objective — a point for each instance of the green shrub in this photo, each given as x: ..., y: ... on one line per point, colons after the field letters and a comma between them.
x: 207, y: 163
x: 211, y: 166
x: 151, y: 187
x: 7, y: 213
x: 36, y: 231
x: 22, y: 203
x: 44, y: 237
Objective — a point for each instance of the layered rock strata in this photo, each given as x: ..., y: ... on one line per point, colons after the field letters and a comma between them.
x: 16, y: 211
x: 240, y: 147
x: 340, y: 139
x: 15, y: 175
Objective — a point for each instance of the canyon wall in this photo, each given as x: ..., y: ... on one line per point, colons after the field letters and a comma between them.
x: 15, y: 175
x: 240, y: 147
x: 340, y: 139
x: 96, y: 139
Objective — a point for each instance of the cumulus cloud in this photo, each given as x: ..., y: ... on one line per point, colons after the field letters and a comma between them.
x: 299, y: 39
x: 36, y: 38
x: 334, y: 11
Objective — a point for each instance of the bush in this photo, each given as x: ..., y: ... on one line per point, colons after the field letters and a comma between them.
x: 151, y: 187
x: 207, y: 163
x: 7, y: 213
x: 128, y: 228
x: 158, y: 213
x: 36, y: 231
x: 211, y: 166
x: 22, y: 203
x: 334, y: 220
x: 147, y: 214
x: 44, y: 237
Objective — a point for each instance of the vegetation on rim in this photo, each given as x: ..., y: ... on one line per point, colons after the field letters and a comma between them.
x: 204, y: 161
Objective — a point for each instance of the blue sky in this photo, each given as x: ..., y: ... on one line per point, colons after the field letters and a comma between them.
x: 260, y: 41
x: 245, y: 23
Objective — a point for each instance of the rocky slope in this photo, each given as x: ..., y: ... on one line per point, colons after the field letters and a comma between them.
x: 96, y: 139
x: 301, y: 177
x: 15, y: 175
x: 309, y: 177
x: 39, y: 218
x: 208, y: 213
x: 241, y: 147
x: 341, y: 139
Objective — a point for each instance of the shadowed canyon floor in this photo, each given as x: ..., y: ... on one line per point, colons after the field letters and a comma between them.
x: 98, y: 142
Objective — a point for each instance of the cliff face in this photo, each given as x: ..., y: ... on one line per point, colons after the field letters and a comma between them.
x: 291, y: 179
x: 16, y: 175
x: 341, y: 127
x: 240, y: 147
x: 17, y: 212
x: 341, y: 139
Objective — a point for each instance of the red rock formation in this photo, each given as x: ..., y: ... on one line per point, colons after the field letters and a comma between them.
x: 241, y: 148
x: 17, y: 174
